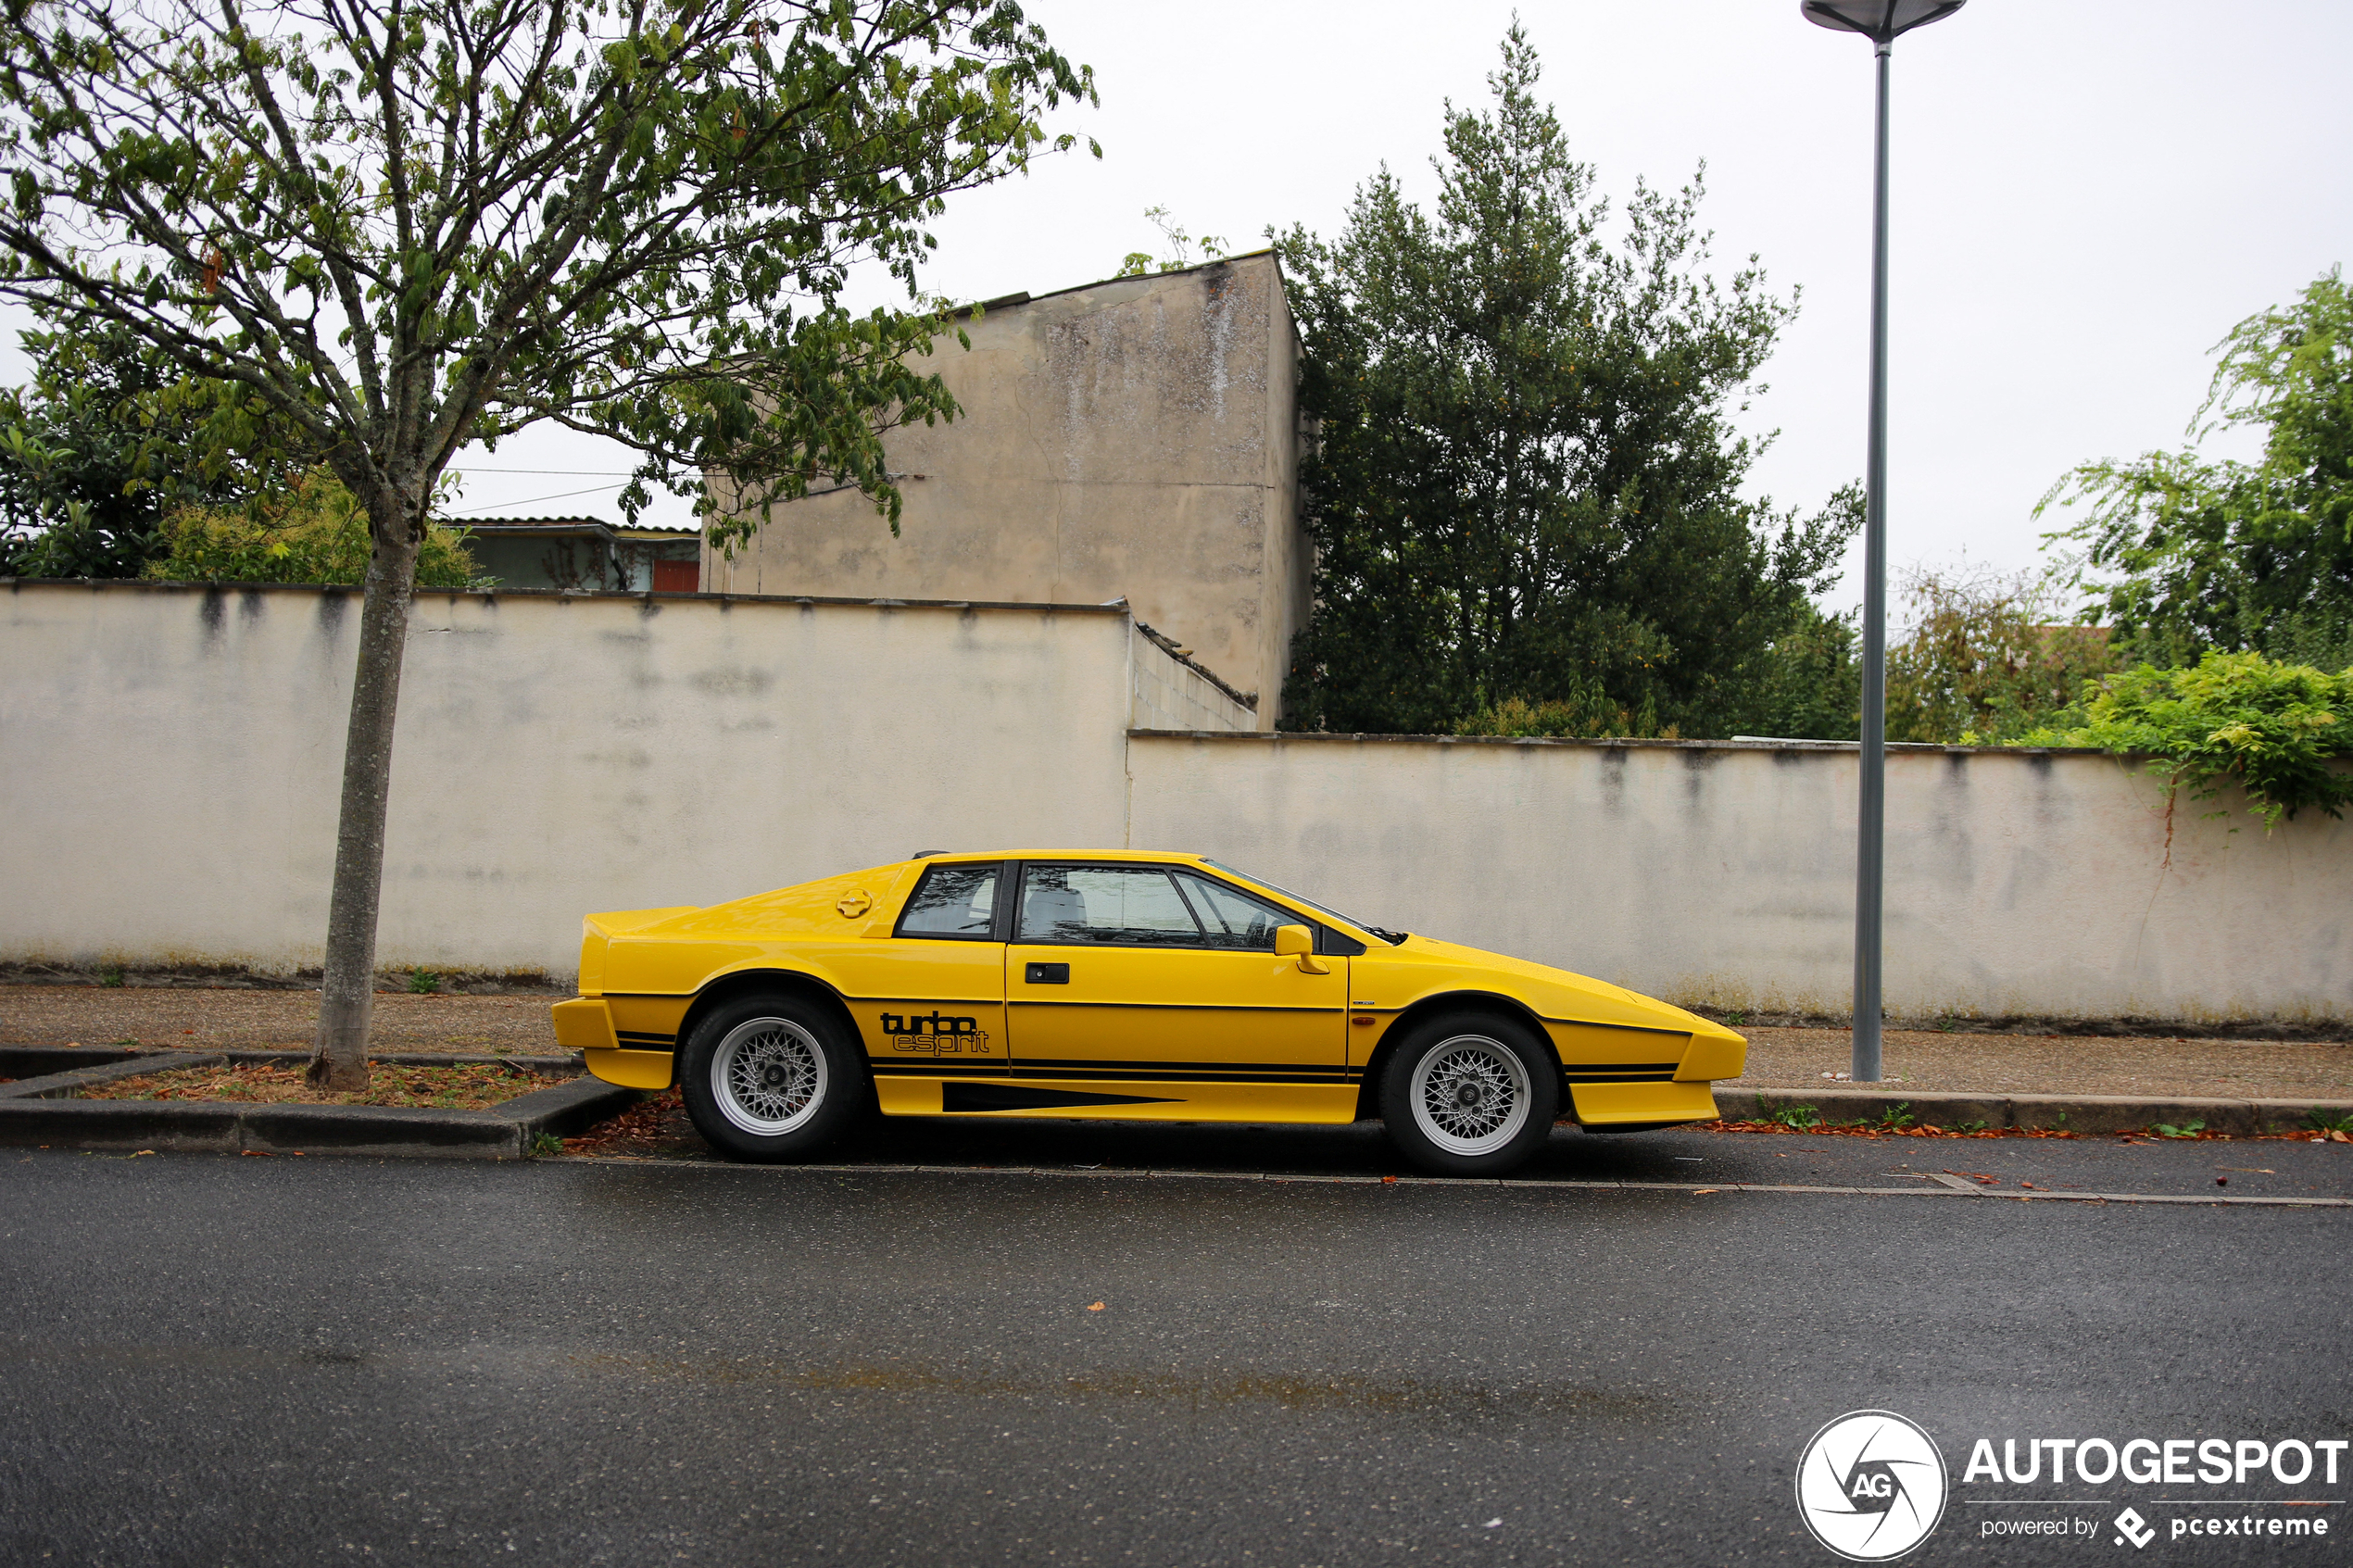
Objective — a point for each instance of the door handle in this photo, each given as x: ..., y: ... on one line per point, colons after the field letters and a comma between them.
x: 1047, y: 974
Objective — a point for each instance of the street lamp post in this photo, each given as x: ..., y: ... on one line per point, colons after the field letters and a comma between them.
x: 1882, y: 22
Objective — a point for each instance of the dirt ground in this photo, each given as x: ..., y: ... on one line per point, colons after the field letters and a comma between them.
x: 2058, y: 1064
x: 446, y: 1088
x: 213, y: 1020
x: 1781, y: 1059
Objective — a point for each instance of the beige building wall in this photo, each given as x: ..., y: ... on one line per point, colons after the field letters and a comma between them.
x: 1136, y: 439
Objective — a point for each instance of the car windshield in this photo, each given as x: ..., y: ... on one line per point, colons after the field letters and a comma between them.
x: 1392, y: 937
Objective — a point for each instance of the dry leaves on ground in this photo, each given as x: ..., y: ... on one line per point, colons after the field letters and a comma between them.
x: 468, y: 1087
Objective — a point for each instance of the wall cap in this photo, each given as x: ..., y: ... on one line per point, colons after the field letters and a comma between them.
x: 1627, y: 743
x: 638, y: 595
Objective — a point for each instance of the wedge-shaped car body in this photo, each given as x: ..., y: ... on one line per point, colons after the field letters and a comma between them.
x: 1114, y: 985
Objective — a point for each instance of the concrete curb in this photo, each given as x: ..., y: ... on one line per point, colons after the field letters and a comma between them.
x: 505, y: 1131
x: 66, y: 1084
x: 2074, y: 1114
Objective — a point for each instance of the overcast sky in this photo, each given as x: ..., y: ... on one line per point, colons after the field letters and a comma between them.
x: 2086, y: 198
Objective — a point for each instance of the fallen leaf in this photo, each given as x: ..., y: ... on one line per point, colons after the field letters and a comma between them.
x: 1096, y: 1308
x: 1703, y: 1192
x: 1389, y: 1178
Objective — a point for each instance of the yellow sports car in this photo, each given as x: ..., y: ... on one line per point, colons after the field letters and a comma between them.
x: 1114, y: 986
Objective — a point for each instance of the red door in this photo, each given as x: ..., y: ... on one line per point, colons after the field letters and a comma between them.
x: 677, y: 576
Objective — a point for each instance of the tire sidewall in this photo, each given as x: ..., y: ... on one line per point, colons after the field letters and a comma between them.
x: 848, y: 1084
x: 1396, y: 1092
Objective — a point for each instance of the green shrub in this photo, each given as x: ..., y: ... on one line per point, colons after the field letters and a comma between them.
x: 314, y: 532
x: 2236, y: 718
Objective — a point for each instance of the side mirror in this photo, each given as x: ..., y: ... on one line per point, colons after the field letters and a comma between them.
x: 1298, y: 942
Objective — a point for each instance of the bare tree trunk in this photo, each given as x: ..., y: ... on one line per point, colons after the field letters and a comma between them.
x: 340, y: 1060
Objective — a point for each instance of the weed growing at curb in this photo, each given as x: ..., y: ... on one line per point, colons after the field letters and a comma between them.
x: 423, y: 983
x: 110, y: 976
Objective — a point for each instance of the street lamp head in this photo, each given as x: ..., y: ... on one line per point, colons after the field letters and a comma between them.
x: 1879, y: 20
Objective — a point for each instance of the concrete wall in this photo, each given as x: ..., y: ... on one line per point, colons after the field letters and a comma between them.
x: 1135, y: 438
x: 170, y: 758
x: 2018, y: 885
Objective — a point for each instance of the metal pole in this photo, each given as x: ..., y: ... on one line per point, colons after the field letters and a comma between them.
x: 1871, y: 825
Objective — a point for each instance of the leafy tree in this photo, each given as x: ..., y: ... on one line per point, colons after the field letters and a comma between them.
x: 401, y: 229
x: 313, y: 531
x: 1526, y: 484
x: 106, y: 437
x: 2235, y: 556
x: 1989, y: 657
x: 2281, y: 732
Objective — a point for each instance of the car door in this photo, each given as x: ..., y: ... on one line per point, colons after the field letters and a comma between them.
x: 929, y: 1001
x: 1166, y: 979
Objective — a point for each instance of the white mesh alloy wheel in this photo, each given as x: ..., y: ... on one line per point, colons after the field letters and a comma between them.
x: 768, y: 1077
x: 1470, y: 1095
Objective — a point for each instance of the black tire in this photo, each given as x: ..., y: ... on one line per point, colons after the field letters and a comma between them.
x: 774, y: 1077
x: 1469, y: 1095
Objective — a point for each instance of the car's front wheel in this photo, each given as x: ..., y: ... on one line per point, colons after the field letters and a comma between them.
x: 772, y: 1078
x: 1469, y: 1095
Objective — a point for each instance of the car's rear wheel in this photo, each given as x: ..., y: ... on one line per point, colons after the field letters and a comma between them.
x: 1469, y: 1095
x: 772, y: 1078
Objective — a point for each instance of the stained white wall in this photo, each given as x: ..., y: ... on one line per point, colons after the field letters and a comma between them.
x: 170, y: 758
x: 169, y: 761
x: 2018, y: 883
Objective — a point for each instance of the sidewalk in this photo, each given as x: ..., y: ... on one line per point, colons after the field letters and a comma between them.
x: 1916, y: 1061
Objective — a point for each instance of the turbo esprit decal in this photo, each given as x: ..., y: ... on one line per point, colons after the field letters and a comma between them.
x: 932, y: 1035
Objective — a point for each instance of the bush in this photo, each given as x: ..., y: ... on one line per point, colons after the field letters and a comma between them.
x: 2271, y: 729
x: 313, y: 532
x: 1989, y: 657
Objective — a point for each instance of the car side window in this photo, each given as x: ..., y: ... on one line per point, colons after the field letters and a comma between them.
x: 1231, y: 918
x: 1132, y: 906
x: 953, y: 901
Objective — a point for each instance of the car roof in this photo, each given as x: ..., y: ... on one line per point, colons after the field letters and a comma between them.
x: 1164, y: 856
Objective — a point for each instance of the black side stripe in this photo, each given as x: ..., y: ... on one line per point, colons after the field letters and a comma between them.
x: 1154, y: 1007
x: 900, y: 1067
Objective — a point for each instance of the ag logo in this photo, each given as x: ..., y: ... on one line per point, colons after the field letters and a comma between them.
x: 1871, y: 1486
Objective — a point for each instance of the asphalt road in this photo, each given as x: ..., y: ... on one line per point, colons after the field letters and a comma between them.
x: 281, y: 1360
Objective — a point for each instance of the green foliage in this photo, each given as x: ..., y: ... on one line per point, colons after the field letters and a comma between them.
x: 1988, y: 658
x: 2231, y: 556
x: 1809, y: 683
x: 313, y: 532
x: 2186, y: 1130
x: 1896, y: 1117
x: 398, y: 231
x: 2321, y: 1119
x: 1589, y: 715
x: 103, y: 441
x: 1798, y: 1118
x: 1525, y: 482
x: 2273, y: 729
x: 1181, y: 249
x: 423, y: 983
